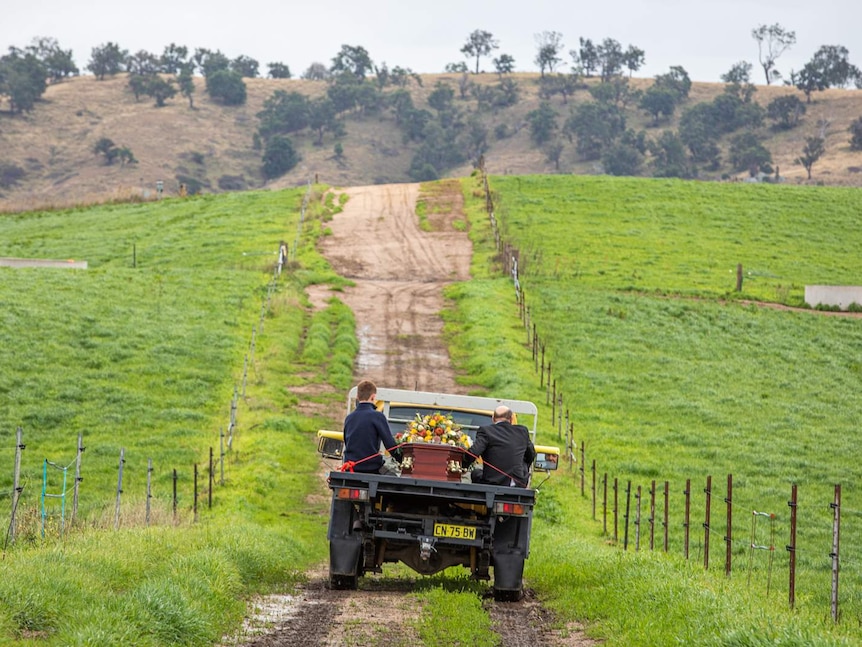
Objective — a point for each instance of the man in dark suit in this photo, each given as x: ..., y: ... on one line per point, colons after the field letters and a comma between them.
x: 506, y: 451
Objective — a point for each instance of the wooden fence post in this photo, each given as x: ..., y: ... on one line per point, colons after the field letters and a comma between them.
x: 594, y: 488
x: 616, y: 509
x: 652, y: 516
x: 582, y: 468
x: 638, y: 500
x: 706, y: 528
x: 605, y: 505
x: 16, y: 479
x: 666, y: 513
x: 628, y: 509
x: 195, y: 503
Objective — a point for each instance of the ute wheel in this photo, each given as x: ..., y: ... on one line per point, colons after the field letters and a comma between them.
x: 343, y: 582
x: 503, y: 595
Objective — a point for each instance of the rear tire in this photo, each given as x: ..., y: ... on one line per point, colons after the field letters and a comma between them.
x: 343, y: 582
x: 504, y: 595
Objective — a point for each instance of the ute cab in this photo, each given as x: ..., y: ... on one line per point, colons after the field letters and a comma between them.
x: 469, y: 412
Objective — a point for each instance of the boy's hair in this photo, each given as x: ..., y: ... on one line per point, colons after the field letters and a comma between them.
x: 364, y: 390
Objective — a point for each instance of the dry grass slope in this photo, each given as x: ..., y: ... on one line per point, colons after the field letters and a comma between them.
x: 213, y: 143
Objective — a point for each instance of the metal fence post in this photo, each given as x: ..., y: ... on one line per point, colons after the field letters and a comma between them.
x: 791, y: 548
x: 78, y: 479
x: 836, y: 532
x: 706, y: 528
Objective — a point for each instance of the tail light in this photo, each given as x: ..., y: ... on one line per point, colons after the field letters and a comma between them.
x: 351, y: 494
x: 512, y: 509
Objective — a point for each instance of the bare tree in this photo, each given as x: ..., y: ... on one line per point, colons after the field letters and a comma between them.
x: 772, y: 42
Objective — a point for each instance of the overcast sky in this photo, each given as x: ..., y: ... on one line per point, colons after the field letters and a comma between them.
x: 706, y: 37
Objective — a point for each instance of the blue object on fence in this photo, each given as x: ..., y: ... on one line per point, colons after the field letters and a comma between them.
x: 61, y: 496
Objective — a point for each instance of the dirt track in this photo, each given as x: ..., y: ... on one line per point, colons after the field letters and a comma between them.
x: 399, y: 271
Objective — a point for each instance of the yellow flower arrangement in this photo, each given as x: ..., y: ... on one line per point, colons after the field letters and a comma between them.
x: 434, y: 428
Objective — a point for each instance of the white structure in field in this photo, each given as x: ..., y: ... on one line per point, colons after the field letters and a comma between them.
x: 833, y: 295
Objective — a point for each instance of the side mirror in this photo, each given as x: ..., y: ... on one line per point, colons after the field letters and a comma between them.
x: 547, y: 458
x: 330, y: 444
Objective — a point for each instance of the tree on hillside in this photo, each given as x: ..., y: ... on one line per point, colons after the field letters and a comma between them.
x: 699, y: 131
x: 563, y: 84
x: 785, y: 111
x: 479, y: 43
x: 830, y: 67
x: 209, y: 62
x: 352, y: 60
x: 173, y: 59
x: 22, y: 80
x: 112, y: 152
x: 278, y: 71
x: 143, y: 63
x: 586, y: 59
x: 669, y: 158
x: 549, y: 44
x: 160, y: 89
x: 316, y: 72
x: 284, y: 113
x: 186, y: 83
x: 610, y: 55
x: 772, y: 42
x: 58, y: 62
x: 856, y: 134
x: 321, y: 117
x: 618, y: 92
x: 596, y: 126
x: 441, y: 97
x: 226, y: 87
x: 811, y: 152
x: 739, y: 73
x: 456, y: 68
x: 658, y: 102
x: 279, y: 157
x: 625, y: 156
x: 633, y: 59
x: 245, y: 66
x: 676, y: 81
x: 401, y: 76
x: 747, y: 153
x: 504, y: 64
x: 107, y: 60
x: 543, y: 123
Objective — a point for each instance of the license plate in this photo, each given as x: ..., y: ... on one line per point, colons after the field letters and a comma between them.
x: 450, y: 531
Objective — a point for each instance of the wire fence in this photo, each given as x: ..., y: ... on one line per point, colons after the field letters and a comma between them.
x: 57, y: 506
x: 638, y: 516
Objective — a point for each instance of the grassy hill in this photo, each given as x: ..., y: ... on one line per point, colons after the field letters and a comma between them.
x: 213, y: 144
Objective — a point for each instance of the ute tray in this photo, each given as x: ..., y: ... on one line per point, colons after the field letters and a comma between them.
x: 454, y: 492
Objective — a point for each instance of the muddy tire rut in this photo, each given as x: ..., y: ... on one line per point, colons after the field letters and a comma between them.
x: 399, y: 272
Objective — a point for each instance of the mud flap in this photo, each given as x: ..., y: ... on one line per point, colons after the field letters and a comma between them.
x: 344, y: 555
x: 508, y: 555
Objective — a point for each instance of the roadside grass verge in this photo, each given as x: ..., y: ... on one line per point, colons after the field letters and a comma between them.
x: 669, y: 389
x: 144, y: 352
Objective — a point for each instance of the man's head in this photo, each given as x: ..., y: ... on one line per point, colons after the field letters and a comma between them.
x: 366, y: 391
x: 502, y: 413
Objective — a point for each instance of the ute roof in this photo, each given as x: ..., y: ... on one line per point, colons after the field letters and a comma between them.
x: 449, y: 401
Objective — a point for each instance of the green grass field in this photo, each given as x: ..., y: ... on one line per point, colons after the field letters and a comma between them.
x: 143, y: 351
x: 668, y: 376
x: 667, y: 373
